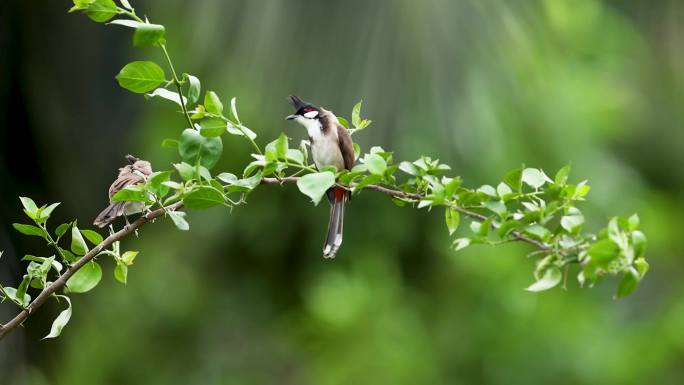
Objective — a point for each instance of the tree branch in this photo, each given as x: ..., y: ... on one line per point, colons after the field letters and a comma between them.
x: 61, y: 281
x: 402, y: 194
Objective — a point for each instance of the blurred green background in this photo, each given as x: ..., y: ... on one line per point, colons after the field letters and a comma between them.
x: 245, y: 297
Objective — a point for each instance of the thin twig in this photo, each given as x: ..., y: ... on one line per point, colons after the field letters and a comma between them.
x: 61, y: 281
x: 415, y: 196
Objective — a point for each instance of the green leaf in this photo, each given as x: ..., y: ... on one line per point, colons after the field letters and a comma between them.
x: 129, y: 256
x: 178, y: 218
x: 366, y: 181
x: 165, y: 94
x: 203, y: 198
x: 133, y: 193
x: 502, y: 190
x: 145, y: 34
x: 94, y: 237
x: 194, y: 87
x: 121, y: 273
x: 496, y: 206
x: 44, y: 214
x: 101, y: 10
x: 55, y: 264
x: 155, y: 183
x: 233, y: 110
x: 562, y: 176
x: 29, y: 230
x: 212, y: 103
x: 642, y: 267
x: 149, y: 35
x: 126, y: 4
x: 552, y: 277
x: 513, y: 178
x: 356, y: 114
x: 212, y: 127
x: 281, y: 146
x: 628, y: 283
x: 316, y: 184
x: 639, y: 243
x: 141, y: 76
x: 538, y: 231
x: 86, y: 278
x: 375, y: 163
x: 246, y: 184
x: 198, y: 112
x: 453, y: 218
x: 533, y: 177
x: 241, y: 131
x: 603, y: 251
x: 30, y: 207
x: 408, y: 168
x: 460, y: 243
x: 169, y: 143
x: 185, y: 170
x: 573, y: 221
x: 343, y: 122
x: 487, y: 190
x: 78, y: 245
x: 61, y: 321
x: 61, y: 229
x: 227, y: 177
x: 295, y: 155
x: 633, y: 222
x: 194, y: 147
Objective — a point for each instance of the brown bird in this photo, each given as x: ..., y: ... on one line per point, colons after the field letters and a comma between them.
x: 331, y: 145
x: 134, y: 173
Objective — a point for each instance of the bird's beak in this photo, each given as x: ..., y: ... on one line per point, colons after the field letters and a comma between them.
x: 290, y: 117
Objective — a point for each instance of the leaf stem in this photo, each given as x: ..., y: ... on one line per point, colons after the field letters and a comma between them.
x: 177, y: 82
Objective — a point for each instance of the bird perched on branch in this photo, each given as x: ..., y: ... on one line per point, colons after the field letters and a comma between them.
x: 331, y: 145
x: 132, y: 174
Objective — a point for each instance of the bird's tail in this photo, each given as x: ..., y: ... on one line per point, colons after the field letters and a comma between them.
x: 338, y: 197
x: 109, y: 214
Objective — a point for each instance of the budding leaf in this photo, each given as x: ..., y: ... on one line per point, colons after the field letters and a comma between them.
x: 61, y: 321
x: 316, y: 184
x: 141, y: 76
x: 86, y: 278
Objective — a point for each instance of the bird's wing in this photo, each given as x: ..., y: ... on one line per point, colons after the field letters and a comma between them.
x: 126, y: 179
x: 346, y: 146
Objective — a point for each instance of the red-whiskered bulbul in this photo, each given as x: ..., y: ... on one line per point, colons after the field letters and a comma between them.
x: 134, y: 173
x: 331, y: 145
